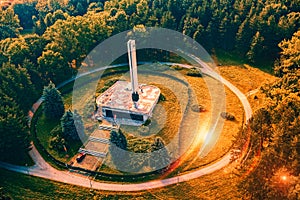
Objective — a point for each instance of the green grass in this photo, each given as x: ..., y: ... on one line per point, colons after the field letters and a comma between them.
x: 224, y: 58
x: 43, y: 129
x: 227, y: 58
x: 219, y: 185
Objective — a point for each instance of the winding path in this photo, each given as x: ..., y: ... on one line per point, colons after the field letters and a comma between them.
x: 44, y: 170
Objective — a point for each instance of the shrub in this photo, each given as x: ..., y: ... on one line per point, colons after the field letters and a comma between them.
x: 227, y: 116
x: 194, y: 72
x: 110, y: 82
x: 57, y: 143
x: 161, y: 97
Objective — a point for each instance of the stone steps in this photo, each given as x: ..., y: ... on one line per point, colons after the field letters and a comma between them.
x: 93, y: 153
x: 101, y: 140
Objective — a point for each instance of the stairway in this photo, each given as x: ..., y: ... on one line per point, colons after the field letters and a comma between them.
x: 93, y: 153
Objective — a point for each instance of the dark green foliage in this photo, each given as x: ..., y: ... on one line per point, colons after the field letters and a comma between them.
x: 119, y: 139
x: 256, y: 48
x: 9, y: 24
x: 3, y: 195
x: 148, y: 154
x: 235, y: 27
x: 290, y: 58
x: 13, y: 128
x: 249, y: 28
x: 162, y: 97
x: 15, y: 83
x: 231, y: 26
x: 95, y: 7
x: 25, y: 11
x: 56, y: 131
x: 17, y: 95
x: 57, y: 143
x: 78, y: 123
x: 53, y: 103
x: 72, y: 126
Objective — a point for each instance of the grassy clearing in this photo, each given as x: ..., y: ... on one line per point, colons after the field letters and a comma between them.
x: 227, y: 58
x: 245, y: 77
x: 229, y: 129
x: 167, y: 114
x: 218, y: 185
x: 224, y: 58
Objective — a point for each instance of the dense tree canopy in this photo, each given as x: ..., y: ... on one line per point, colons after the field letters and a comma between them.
x: 16, y: 84
x: 274, y: 133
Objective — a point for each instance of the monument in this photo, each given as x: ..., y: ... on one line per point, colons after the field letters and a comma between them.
x: 126, y: 102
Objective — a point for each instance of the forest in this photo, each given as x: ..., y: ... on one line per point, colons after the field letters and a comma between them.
x: 47, y: 40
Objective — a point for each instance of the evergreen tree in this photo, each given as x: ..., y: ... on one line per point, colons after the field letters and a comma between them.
x: 53, y: 104
x: 13, y: 128
x: 9, y: 24
x: 243, y: 37
x: 58, y: 143
x: 39, y: 25
x: 78, y: 123
x: 168, y: 21
x: 71, y: 125
x: 256, y: 48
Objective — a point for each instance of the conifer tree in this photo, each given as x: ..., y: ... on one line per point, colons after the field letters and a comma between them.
x: 13, y: 128
x: 69, y: 122
x: 53, y: 103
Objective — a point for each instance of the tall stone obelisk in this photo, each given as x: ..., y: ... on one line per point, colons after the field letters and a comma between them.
x: 133, y: 70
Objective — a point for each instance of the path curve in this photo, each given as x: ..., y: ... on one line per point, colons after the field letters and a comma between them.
x: 44, y: 170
